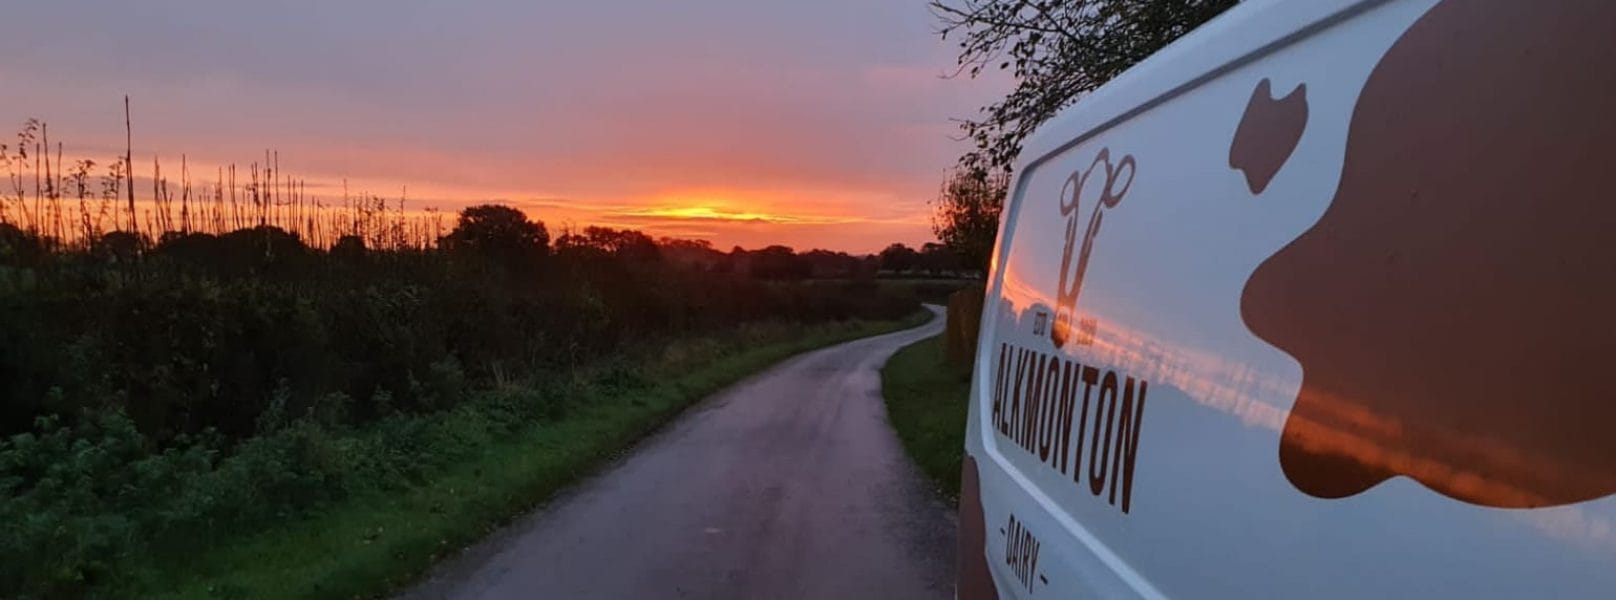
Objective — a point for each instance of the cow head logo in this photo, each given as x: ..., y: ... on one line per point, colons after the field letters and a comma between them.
x: 1105, y: 184
x: 1453, y: 309
x: 1268, y: 134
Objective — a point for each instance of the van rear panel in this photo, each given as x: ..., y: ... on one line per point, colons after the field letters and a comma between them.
x: 1142, y: 422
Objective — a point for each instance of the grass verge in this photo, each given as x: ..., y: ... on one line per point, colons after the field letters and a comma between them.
x: 926, y: 403
x: 371, y: 544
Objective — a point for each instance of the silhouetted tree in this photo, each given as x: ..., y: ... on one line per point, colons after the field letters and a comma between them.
x: 898, y: 258
x: 262, y: 250
x: 626, y: 244
x: 1057, y: 50
x: 966, y: 213
x: 778, y: 262
x: 938, y: 259
x: 824, y: 264
x: 497, y: 232
x: 121, y: 247
x: 348, y: 248
x: 192, y: 248
x: 699, y: 254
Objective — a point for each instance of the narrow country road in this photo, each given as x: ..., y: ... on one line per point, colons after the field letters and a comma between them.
x: 790, y: 484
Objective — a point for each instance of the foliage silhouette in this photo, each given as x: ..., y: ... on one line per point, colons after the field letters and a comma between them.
x: 966, y: 213
x: 500, y: 233
x: 1057, y: 51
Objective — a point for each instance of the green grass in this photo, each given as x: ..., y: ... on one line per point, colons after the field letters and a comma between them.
x: 926, y: 402
x: 372, y: 544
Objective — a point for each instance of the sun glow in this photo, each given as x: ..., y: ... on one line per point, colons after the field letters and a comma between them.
x: 716, y: 212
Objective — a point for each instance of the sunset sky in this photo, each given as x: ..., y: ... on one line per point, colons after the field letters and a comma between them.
x: 813, y: 124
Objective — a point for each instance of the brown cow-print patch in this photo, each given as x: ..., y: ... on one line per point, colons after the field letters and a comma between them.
x: 1268, y: 133
x: 1454, y: 308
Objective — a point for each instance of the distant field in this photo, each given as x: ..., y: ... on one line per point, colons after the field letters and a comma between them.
x: 926, y: 402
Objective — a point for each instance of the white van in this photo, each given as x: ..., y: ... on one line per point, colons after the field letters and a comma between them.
x: 1315, y: 302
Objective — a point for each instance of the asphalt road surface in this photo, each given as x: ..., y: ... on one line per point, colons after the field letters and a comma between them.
x: 790, y: 484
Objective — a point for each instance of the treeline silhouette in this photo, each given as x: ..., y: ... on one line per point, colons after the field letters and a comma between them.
x: 96, y: 211
x: 206, y: 332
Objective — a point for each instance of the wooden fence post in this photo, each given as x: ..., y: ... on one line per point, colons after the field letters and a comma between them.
x: 964, y: 321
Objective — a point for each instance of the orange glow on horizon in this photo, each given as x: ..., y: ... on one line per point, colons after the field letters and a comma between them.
x: 719, y: 214
x: 854, y: 218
